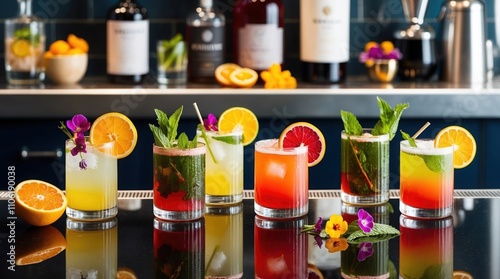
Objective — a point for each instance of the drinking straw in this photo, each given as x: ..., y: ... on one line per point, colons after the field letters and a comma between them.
x: 198, y: 113
x: 421, y: 130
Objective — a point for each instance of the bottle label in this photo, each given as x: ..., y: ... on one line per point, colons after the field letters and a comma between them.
x: 206, y: 50
x: 127, y: 47
x: 260, y: 45
x: 324, y: 31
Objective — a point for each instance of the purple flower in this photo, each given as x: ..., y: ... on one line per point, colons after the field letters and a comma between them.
x: 78, y: 124
x: 210, y: 123
x: 365, y: 221
x: 83, y: 164
x: 318, y: 227
x: 318, y: 240
x: 80, y: 146
x: 365, y: 251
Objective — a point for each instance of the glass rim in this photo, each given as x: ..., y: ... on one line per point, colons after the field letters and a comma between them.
x: 372, y: 138
x: 405, y: 146
x: 232, y: 133
x: 270, y: 146
x: 200, y: 148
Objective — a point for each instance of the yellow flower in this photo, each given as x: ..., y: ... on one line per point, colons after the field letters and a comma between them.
x: 336, y: 244
x: 336, y: 226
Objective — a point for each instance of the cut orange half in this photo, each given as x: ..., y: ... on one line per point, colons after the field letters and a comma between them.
x: 462, y: 140
x: 243, y: 77
x: 38, y: 244
x: 117, y: 128
x: 240, y: 118
x: 305, y: 134
x: 222, y: 73
x: 39, y: 203
x: 460, y: 274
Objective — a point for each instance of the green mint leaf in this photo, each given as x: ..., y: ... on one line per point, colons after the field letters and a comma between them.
x: 380, y: 232
x: 173, y: 123
x: 194, y: 142
x: 159, y: 136
x: 183, y: 141
x: 389, y: 118
x: 229, y: 139
x: 434, y: 163
x: 162, y: 121
x: 410, y: 140
x: 351, y: 124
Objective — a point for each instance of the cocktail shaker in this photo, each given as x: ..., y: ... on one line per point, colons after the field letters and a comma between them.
x: 463, y: 42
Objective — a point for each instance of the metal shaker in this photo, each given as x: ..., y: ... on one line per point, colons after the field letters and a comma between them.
x: 463, y: 42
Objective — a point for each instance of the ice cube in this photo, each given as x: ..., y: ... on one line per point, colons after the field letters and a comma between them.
x: 276, y: 169
x: 217, y: 262
x: 218, y: 150
x: 277, y: 265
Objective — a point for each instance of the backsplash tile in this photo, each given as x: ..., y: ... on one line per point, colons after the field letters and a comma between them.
x: 370, y: 20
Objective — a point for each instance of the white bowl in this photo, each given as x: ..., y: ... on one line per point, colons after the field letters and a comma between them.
x: 66, y: 69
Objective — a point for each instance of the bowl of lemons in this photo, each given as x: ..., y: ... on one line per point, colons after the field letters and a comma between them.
x: 66, y: 60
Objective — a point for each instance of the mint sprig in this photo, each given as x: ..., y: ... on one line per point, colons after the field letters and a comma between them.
x: 433, y: 162
x: 165, y: 134
x: 380, y: 232
x: 351, y: 123
x: 389, y: 118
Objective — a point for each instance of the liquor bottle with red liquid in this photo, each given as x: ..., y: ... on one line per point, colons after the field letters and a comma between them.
x: 258, y: 28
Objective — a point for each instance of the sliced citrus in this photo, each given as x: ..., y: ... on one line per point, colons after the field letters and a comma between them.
x: 314, y: 272
x: 305, y: 134
x: 243, y: 77
x: 222, y: 73
x: 117, y: 128
x: 21, y: 48
x: 125, y: 273
x: 462, y: 140
x: 460, y: 274
x: 39, y: 203
x: 38, y: 244
x: 239, y: 118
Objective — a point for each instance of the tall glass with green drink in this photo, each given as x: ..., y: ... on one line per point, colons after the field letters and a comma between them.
x: 364, y: 168
x: 223, y: 167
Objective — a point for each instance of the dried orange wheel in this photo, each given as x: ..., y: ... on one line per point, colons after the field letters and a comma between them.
x: 117, y: 128
x: 305, y: 134
x: 21, y: 48
x: 462, y: 140
x: 39, y: 203
x: 243, y: 77
x: 38, y: 244
x: 222, y: 73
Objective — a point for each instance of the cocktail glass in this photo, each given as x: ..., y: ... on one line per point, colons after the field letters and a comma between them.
x: 224, y: 241
x: 426, y: 180
x: 92, y: 193
x: 179, y: 249
x: 280, y: 250
x: 92, y: 249
x: 425, y: 248
x: 179, y: 182
x: 364, y: 168
x: 172, y: 62
x: 281, y: 180
x: 224, y: 168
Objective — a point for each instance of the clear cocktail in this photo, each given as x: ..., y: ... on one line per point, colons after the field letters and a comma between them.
x: 224, y: 168
x: 91, y: 192
x: 364, y: 168
x: 426, y: 180
x: 224, y: 241
x: 426, y: 248
x: 281, y: 180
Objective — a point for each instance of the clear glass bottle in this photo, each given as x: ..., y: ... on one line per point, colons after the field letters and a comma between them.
x: 24, y: 47
x: 205, y: 35
x: 127, y: 46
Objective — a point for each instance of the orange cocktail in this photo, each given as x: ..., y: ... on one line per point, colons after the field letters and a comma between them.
x: 426, y: 180
x: 281, y: 180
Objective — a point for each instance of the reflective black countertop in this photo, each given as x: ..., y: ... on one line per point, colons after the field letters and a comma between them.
x: 473, y: 240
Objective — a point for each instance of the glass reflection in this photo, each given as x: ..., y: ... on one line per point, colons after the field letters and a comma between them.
x: 179, y: 249
x: 92, y: 249
x: 224, y: 241
x: 426, y: 248
x: 280, y: 250
x: 366, y: 259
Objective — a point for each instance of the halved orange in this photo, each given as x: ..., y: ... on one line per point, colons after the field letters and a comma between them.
x: 240, y: 118
x: 222, y: 73
x: 21, y: 48
x: 38, y: 244
x: 117, y: 128
x: 462, y: 140
x: 305, y: 134
x: 39, y: 203
x: 460, y: 274
x: 243, y: 77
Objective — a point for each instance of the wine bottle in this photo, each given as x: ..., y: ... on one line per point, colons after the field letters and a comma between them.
x: 324, y: 40
x: 205, y: 35
x: 127, y: 45
x: 258, y: 33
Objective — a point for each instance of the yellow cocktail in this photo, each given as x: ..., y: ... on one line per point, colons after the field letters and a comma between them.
x: 224, y: 167
x: 91, y: 192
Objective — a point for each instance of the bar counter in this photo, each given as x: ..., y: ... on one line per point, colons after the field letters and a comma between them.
x: 472, y: 239
x: 427, y: 99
